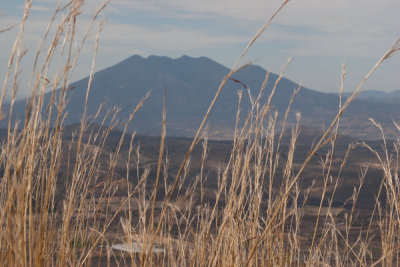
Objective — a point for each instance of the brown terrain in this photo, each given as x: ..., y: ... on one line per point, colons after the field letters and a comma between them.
x: 339, y: 185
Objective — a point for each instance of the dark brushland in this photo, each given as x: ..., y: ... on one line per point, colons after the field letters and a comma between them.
x: 218, y: 156
x: 219, y: 153
x: 191, y: 84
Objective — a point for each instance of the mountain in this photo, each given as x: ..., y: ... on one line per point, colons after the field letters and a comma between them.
x: 191, y: 84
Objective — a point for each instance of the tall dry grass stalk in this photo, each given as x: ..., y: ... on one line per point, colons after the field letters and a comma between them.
x: 254, y: 219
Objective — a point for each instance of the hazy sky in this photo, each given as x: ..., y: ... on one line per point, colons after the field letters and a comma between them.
x: 320, y: 35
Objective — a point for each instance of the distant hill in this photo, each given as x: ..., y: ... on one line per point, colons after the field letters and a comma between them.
x: 191, y: 84
x: 380, y: 96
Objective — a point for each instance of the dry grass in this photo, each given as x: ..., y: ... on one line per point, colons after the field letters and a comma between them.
x: 252, y: 222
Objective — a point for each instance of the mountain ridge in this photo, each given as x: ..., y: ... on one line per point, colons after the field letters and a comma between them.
x: 191, y: 84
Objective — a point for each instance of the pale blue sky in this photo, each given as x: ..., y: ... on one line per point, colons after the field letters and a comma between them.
x: 320, y: 35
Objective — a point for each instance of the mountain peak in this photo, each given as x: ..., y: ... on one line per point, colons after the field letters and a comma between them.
x: 134, y: 57
x: 184, y: 57
x: 163, y: 58
x: 202, y: 58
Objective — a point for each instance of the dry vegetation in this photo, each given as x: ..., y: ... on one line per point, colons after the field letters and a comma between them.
x: 248, y: 220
